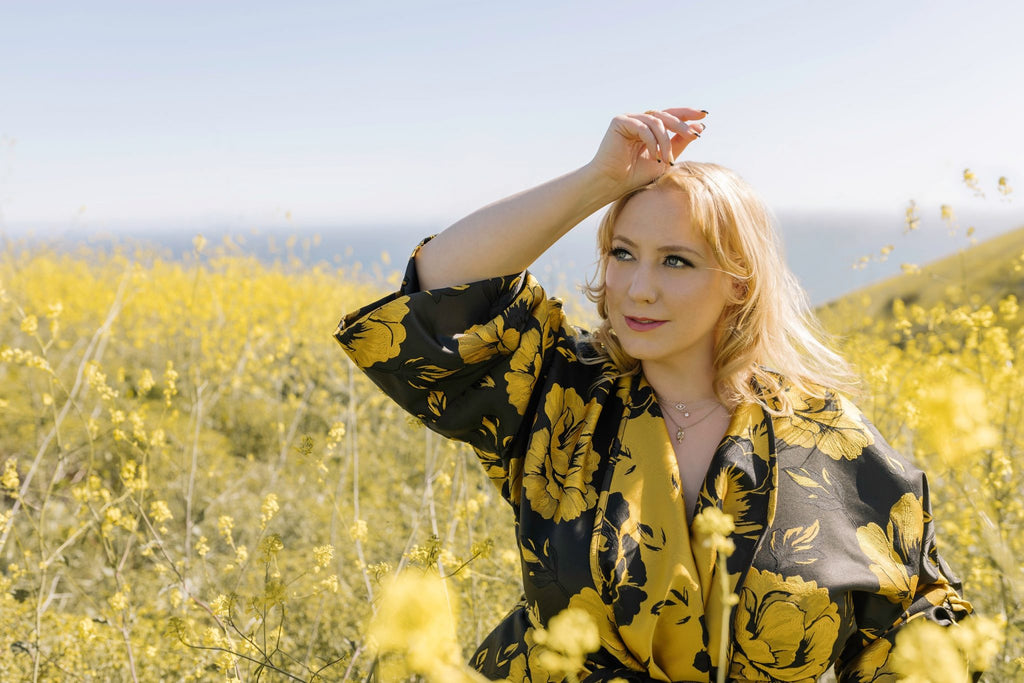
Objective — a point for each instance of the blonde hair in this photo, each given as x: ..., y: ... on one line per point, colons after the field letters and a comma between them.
x: 770, y: 342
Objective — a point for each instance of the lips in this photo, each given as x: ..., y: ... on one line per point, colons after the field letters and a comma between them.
x: 643, y: 324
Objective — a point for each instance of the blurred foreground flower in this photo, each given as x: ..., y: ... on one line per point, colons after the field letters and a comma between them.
x: 971, y: 181
x: 570, y: 636
x: 1004, y: 186
x: 716, y: 526
x: 416, y: 621
x: 928, y: 653
x: 913, y: 220
x: 954, y: 422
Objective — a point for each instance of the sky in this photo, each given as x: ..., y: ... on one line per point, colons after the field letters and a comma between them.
x: 336, y: 116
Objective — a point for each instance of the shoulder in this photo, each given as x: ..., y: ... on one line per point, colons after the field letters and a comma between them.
x: 829, y: 445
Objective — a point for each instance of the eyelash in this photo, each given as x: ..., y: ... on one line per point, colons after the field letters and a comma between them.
x: 620, y: 254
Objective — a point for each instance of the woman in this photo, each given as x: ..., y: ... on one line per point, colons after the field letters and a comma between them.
x: 706, y: 386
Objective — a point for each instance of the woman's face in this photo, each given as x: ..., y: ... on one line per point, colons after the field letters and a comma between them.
x: 664, y: 293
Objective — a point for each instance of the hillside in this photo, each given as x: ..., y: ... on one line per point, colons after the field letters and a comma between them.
x: 989, y: 271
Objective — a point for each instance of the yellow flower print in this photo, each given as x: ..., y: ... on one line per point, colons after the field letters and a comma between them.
x: 524, y: 369
x: 785, y: 628
x: 378, y: 336
x: 890, y: 551
x: 749, y: 426
x: 560, y: 462
x: 797, y: 543
x: 589, y: 601
x: 437, y: 402
x: 489, y: 339
x: 834, y: 426
x: 871, y: 664
x: 730, y: 488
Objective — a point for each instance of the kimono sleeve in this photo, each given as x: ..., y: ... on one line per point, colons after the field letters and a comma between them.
x: 466, y: 360
x: 924, y: 589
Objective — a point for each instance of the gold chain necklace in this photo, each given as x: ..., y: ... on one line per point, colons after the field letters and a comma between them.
x: 681, y: 405
x: 680, y: 431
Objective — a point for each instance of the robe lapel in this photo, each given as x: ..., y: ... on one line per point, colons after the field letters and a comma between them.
x: 741, y: 481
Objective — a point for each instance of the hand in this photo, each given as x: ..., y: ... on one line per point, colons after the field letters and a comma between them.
x: 637, y: 148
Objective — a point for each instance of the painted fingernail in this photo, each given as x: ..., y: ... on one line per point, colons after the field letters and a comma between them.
x: 704, y: 110
x: 659, y: 161
x: 697, y: 134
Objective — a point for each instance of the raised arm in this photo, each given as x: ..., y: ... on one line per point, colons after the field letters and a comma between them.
x: 507, y: 236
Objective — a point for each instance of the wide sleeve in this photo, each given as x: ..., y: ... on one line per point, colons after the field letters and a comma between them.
x: 915, y: 582
x: 469, y: 361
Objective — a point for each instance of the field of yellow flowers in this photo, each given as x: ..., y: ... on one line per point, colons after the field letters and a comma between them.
x: 197, y: 485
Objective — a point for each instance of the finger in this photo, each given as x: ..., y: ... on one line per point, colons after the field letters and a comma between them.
x: 641, y: 130
x: 657, y: 126
x: 679, y: 126
x: 681, y: 141
x: 686, y: 114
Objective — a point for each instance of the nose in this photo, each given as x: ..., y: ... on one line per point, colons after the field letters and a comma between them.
x: 642, y: 287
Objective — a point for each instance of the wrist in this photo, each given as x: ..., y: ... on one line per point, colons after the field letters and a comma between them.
x: 597, y: 189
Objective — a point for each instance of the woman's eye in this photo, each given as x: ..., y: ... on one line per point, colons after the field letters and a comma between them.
x: 678, y: 262
x: 620, y: 254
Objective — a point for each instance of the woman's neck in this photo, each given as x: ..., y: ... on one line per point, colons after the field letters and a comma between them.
x: 689, y: 383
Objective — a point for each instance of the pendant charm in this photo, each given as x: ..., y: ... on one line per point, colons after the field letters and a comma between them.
x: 680, y: 434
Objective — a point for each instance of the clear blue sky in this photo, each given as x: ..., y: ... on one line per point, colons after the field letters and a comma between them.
x: 240, y: 113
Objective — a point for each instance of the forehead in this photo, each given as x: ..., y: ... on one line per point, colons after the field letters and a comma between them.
x: 657, y: 215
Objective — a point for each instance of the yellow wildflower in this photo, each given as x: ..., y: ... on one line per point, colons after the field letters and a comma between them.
x: 225, y: 524
x: 716, y: 526
x: 569, y: 637
x: 925, y: 653
x: 86, y: 629
x: 269, y: 508
x: 416, y: 619
x: 912, y: 219
x: 221, y: 606
x: 160, y: 512
x: 270, y: 546
x: 358, y: 531
x: 322, y: 556
x: 9, y: 479
x: 29, y: 324
x: 118, y: 601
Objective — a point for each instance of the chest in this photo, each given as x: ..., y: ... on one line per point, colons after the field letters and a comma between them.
x: 694, y: 453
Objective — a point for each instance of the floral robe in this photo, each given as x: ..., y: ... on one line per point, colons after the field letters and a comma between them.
x: 834, y: 544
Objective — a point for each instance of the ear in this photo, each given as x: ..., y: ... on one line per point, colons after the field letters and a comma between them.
x: 739, y: 289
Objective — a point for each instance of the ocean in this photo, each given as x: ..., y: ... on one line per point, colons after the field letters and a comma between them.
x: 822, y: 247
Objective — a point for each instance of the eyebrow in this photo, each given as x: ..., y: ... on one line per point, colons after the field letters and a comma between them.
x: 667, y: 248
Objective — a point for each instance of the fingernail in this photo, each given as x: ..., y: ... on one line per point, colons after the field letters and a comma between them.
x: 659, y: 161
x: 704, y: 110
x: 697, y: 134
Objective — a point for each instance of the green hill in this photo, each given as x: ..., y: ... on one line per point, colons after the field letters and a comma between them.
x: 989, y: 271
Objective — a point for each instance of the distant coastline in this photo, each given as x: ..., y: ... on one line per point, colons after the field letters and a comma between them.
x: 821, y: 247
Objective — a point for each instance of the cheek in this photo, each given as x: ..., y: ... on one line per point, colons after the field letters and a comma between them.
x: 612, y: 281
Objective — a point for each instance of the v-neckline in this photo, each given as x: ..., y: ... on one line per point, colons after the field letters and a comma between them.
x: 641, y: 512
